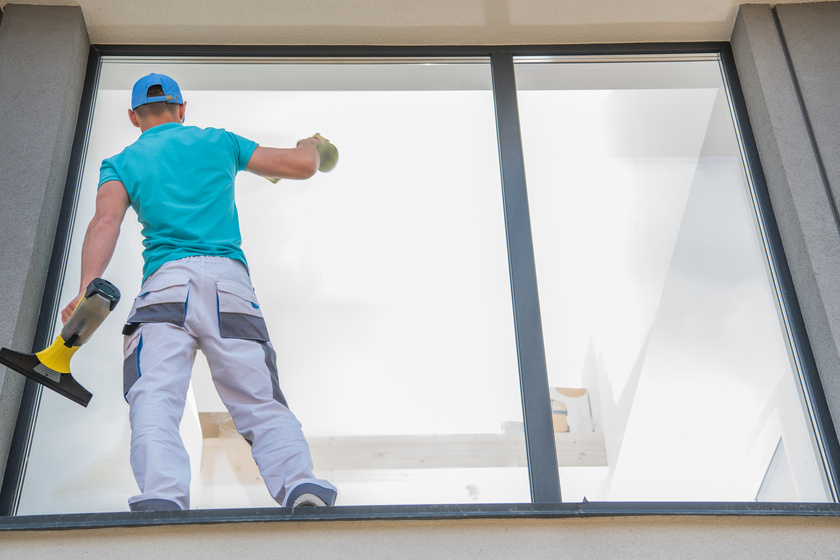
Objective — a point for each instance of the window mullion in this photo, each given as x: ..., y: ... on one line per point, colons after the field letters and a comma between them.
x: 536, y: 403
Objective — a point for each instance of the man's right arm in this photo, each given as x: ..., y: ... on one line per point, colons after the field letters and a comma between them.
x: 101, y: 237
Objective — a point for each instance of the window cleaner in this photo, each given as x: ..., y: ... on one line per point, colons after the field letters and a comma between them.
x: 328, y: 154
x: 51, y: 366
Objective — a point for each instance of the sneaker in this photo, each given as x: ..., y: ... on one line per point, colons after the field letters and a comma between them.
x: 309, y: 500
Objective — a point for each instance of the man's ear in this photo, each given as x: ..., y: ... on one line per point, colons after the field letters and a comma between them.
x: 182, y: 111
x: 132, y: 116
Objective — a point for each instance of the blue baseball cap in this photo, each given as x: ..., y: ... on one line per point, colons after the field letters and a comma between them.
x: 171, y: 91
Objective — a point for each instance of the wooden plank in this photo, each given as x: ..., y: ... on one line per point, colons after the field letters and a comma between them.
x: 339, y: 453
x: 448, y: 451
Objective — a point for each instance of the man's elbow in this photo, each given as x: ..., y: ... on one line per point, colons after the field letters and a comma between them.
x: 306, y: 169
x: 311, y: 169
x: 106, y: 223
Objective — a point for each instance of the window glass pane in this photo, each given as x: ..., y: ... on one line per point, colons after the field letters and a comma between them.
x: 384, y: 283
x: 667, y: 353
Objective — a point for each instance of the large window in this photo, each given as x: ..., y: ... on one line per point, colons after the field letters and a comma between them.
x: 669, y: 368
x: 664, y: 334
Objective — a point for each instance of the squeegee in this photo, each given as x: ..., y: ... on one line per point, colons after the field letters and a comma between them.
x: 51, y: 366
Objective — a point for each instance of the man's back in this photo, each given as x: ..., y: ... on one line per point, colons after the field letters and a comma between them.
x: 180, y: 181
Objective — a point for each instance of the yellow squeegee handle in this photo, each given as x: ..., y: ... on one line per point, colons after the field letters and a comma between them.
x: 99, y: 300
x: 57, y: 355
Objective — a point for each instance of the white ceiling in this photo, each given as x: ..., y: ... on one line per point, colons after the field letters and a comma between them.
x: 404, y: 22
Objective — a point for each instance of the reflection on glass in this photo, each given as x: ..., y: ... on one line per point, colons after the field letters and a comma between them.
x: 666, y: 348
x: 384, y: 283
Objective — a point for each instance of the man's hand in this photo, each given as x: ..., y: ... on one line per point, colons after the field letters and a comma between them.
x: 316, y: 141
x: 71, y: 307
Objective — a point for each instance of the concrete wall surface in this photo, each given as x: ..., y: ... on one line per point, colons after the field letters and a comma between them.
x: 812, y: 35
x: 786, y: 59
x: 43, y: 58
x: 721, y: 538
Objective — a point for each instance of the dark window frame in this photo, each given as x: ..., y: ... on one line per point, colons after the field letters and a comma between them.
x: 540, y: 445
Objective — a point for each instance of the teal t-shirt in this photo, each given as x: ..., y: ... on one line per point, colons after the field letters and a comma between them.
x: 180, y: 181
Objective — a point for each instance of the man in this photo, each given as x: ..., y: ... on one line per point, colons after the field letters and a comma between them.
x: 196, y: 295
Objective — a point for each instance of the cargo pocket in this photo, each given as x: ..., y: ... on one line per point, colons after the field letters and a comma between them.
x: 163, y: 300
x: 132, y: 346
x: 239, y: 312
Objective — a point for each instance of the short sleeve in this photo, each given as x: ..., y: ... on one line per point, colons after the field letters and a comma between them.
x: 107, y: 172
x: 244, y: 149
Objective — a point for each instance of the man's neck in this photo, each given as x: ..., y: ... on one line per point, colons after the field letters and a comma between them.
x: 154, y: 121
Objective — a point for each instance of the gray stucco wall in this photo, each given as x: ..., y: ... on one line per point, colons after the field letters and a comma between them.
x: 812, y: 34
x: 43, y: 58
x: 787, y: 62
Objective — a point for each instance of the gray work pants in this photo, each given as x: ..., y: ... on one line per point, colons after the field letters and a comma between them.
x: 207, y: 304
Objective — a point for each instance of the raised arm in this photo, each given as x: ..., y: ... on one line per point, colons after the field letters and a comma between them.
x: 101, y: 237
x: 300, y: 162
